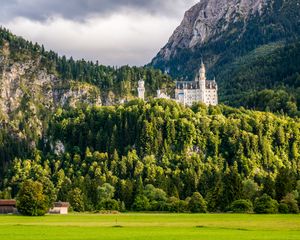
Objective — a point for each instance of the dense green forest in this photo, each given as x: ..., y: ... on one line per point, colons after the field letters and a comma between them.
x: 162, y: 156
x: 266, y: 79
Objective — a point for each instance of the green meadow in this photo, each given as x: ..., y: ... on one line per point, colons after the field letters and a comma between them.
x: 151, y: 226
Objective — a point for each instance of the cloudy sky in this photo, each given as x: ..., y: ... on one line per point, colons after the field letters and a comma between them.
x: 115, y: 32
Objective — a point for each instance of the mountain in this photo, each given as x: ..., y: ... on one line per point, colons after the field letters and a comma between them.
x: 34, y: 83
x: 235, y: 37
x: 62, y: 124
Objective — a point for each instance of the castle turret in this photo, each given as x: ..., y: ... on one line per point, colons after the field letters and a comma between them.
x: 202, y: 72
x: 202, y: 82
x: 141, y: 89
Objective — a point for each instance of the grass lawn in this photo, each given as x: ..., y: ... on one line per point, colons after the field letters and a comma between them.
x: 151, y: 226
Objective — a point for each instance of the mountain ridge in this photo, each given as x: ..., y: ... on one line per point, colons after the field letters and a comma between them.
x: 233, y: 36
x: 207, y: 19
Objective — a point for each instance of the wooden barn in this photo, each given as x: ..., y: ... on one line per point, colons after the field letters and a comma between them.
x: 60, y: 208
x: 8, y: 206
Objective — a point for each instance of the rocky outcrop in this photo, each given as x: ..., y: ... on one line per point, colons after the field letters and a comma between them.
x: 208, y: 19
x: 27, y: 79
x: 29, y: 95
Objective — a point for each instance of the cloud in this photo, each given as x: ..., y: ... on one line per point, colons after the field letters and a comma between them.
x: 115, y: 32
x: 41, y: 10
x: 117, y: 40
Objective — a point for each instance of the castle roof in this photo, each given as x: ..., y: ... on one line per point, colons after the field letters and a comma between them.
x: 187, y: 85
x: 209, y: 84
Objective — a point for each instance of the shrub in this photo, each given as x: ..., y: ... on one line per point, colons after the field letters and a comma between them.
x: 141, y: 203
x: 197, y: 204
x: 158, y: 206
x: 155, y: 194
x: 109, y: 204
x: 265, y: 204
x: 241, y: 206
x: 290, y: 201
x: 31, y: 200
x: 283, y: 208
x: 176, y: 205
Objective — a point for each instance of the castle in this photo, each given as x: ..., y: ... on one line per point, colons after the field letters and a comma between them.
x: 189, y: 92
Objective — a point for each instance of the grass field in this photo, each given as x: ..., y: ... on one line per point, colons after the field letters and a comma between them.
x: 151, y: 226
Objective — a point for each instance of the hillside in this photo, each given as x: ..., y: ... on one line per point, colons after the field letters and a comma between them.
x: 34, y: 83
x: 161, y: 149
x: 62, y: 124
x: 234, y: 38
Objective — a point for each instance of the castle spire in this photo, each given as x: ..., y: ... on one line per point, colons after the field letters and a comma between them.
x: 202, y: 71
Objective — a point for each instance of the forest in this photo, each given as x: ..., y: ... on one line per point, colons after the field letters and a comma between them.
x: 149, y: 156
x: 161, y: 156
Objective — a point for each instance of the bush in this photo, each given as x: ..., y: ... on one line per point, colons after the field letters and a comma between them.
x: 109, y: 204
x: 290, y: 201
x: 155, y: 194
x: 197, y: 204
x: 241, y: 206
x: 158, y: 206
x: 176, y: 205
x: 283, y: 208
x: 31, y: 201
x: 265, y: 204
x: 141, y: 203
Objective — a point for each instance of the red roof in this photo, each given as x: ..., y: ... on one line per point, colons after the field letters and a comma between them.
x: 8, y: 203
x: 61, y: 204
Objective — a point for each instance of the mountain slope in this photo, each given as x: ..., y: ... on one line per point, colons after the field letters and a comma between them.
x: 34, y: 83
x: 163, y: 152
x: 223, y: 32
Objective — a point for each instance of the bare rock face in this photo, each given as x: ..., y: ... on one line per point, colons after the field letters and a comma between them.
x: 27, y: 90
x: 207, y: 19
x: 23, y: 79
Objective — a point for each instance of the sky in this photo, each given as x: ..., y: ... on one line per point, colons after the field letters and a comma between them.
x: 114, y: 32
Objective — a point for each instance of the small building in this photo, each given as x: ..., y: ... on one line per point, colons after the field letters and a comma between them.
x: 161, y: 94
x: 8, y: 206
x: 60, y: 208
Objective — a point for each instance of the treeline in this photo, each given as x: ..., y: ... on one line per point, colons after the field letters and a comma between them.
x: 161, y: 156
x: 122, y: 81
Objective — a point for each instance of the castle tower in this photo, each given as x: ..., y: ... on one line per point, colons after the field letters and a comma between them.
x: 141, y: 89
x: 202, y: 72
x: 202, y: 82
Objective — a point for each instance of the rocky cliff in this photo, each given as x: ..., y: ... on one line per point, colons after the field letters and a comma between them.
x: 207, y: 20
x: 219, y: 29
x: 28, y: 93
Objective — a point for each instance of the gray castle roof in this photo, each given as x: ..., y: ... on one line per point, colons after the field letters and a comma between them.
x: 210, y: 84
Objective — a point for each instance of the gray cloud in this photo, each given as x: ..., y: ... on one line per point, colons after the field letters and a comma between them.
x: 115, y: 32
x: 40, y: 10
